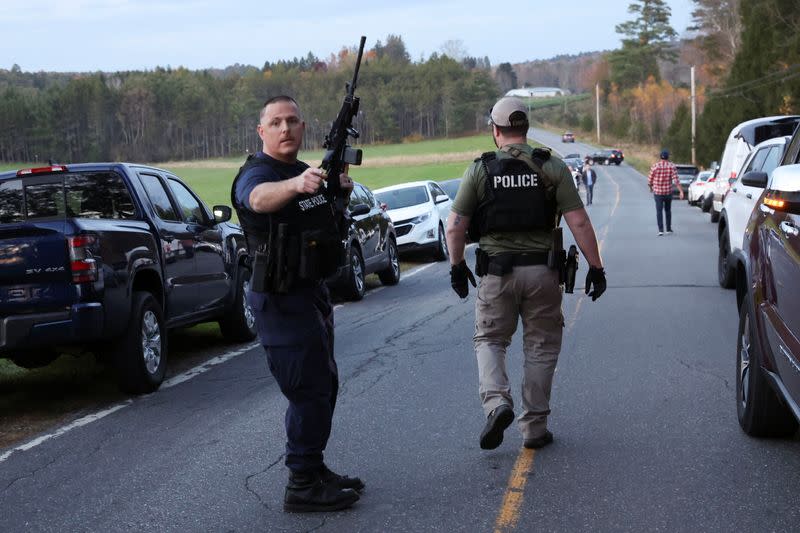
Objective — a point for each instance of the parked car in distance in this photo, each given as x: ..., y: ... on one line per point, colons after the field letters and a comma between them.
x: 419, y: 211
x: 698, y: 187
x: 568, y: 137
x: 738, y: 206
x: 607, y: 157
x: 451, y: 187
x: 108, y: 257
x: 575, y: 164
x: 686, y: 175
x: 707, y: 196
x: 370, y: 247
x: 768, y: 351
x: 741, y: 141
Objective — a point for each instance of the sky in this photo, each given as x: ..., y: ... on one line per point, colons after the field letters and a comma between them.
x: 114, y: 35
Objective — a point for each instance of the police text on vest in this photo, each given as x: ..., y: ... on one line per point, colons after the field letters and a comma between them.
x: 515, y: 182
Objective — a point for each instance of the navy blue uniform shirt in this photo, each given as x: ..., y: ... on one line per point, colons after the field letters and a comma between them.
x: 277, y: 171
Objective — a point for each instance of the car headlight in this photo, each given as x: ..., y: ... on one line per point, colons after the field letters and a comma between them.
x: 421, y: 218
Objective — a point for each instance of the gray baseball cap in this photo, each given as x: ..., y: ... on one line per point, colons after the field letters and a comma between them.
x: 509, y: 111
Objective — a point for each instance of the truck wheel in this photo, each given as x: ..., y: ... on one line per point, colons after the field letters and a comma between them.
x: 714, y: 214
x: 761, y: 413
x: 725, y: 274
x: 140, y: 355
x: 239, y: 323
x: 441, y: 252
x: 391, y: 274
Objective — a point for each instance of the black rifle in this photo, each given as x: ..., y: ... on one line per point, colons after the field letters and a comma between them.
x: 338, y: 153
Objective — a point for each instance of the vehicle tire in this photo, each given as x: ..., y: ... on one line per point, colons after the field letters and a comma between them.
x: 618, y: 163
x: 391, y: 274
x: 725, y: 274
x: 714, y: 214
x: 140, y: 355
x: 705, y: 205
x: 441, y: 252
x: 355, y: 286
x: 760, y: 411
x: 239, y: 323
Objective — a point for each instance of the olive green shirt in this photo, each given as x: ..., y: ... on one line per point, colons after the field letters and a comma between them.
x: 472, y: 191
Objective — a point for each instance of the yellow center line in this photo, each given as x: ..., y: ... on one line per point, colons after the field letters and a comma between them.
x: 508, y: 516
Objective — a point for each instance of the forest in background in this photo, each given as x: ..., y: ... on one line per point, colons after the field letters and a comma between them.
x: 178, y: 114
x: 746, y: 56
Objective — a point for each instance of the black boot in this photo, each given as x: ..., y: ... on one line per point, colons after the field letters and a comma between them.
x: 307, y: 492
x: 344, y: 482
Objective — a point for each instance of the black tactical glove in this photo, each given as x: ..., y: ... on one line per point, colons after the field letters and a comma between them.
x: 595, y: 278
x: 459, y: 274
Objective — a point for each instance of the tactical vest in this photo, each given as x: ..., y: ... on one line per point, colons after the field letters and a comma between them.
x: 519, y: 196
x: 310, y: 244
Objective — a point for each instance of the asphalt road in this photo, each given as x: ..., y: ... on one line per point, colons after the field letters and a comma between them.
x: 644, y: 416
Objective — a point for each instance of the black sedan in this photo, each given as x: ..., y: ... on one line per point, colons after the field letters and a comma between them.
x: 370, y: 248
x: 607, y: 157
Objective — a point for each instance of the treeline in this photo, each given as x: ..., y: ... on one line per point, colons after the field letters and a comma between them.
x: 180, y: 114
x: 747, y: 59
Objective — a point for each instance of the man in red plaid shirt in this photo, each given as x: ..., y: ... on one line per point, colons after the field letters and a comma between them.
x: 662, y: 175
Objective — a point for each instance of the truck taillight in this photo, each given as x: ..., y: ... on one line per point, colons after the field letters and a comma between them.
x: 82, y: 262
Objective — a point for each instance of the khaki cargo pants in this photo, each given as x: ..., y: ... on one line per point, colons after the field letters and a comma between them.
x: 533, y: 294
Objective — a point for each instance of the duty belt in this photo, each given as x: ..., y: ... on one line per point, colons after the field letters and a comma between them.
x: 502, y: 264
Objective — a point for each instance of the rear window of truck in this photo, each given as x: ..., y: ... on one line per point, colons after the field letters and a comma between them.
x: 74, y: 195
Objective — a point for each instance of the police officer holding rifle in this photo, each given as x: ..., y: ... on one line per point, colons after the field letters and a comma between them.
x: 293, y: 218
x: 511, y: 200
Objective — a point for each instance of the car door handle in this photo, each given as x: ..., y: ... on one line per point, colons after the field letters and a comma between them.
x: 749, y: 196
x: 789, y: 229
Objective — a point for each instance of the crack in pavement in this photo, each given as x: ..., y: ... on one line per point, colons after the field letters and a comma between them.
x: 706, y: 372
x: 264, y: 471
x: 29, y: 475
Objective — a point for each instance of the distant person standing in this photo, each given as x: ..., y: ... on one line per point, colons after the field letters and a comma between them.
x: 662, y: 175
x: 589, y: 178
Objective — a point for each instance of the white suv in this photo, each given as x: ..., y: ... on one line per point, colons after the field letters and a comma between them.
x: 736, y: 209
x: 419, y: 211
x: 741, y: 141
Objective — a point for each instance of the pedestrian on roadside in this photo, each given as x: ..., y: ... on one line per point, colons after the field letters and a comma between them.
x: 662, y: 175
x: 280, y: 201
x: 513, y: 198
x: 589, y: 179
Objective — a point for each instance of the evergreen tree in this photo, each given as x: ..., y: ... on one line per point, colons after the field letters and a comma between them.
x: 647, y: 38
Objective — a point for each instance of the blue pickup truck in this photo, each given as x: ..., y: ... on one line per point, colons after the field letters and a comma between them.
x: 109, y: 257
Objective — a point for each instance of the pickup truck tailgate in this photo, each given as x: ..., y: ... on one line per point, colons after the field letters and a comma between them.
x: 35, y: 273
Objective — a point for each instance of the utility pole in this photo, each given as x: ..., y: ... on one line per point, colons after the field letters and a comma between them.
x: 694, y: 120
x: 597, y: 97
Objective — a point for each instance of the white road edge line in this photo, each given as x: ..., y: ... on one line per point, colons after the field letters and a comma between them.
x: 169, y: 383
x: 88, y: 419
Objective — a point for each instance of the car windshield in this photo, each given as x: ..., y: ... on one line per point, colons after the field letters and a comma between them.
x: 398, y: 198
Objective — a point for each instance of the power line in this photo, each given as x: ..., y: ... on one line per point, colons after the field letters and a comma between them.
x: 783, y: 75
x: 741, y: 92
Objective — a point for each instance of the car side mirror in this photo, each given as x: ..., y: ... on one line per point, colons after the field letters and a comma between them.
x: 755, y: 179
x: 783, y: 189
x: 222, y: 213
x: 358, y: 210
x: 442, y: 198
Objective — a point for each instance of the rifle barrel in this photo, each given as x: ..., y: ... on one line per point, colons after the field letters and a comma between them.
x: 358, y: 63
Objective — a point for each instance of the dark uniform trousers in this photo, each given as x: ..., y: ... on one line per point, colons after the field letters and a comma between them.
x: 296, y: 330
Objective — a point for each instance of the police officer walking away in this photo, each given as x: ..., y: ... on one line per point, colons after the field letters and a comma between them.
x: 290, y: 230
x: 510, y: 200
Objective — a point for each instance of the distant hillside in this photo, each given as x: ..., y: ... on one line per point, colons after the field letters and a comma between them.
x: 572, y: 72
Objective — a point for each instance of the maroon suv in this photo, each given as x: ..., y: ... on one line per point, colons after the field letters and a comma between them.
x: 768, y: 367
